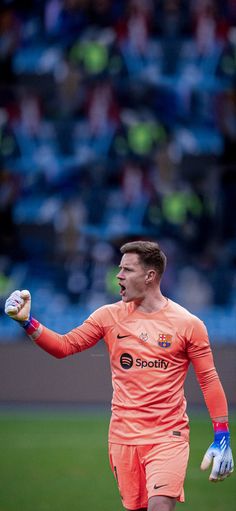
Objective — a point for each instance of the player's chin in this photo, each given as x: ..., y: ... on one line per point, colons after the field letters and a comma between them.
x: 126, y: 298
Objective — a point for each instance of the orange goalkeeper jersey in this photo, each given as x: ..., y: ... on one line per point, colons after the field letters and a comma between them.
x: 149, y: 355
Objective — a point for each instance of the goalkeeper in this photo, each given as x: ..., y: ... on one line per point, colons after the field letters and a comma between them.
x: 151, y: 342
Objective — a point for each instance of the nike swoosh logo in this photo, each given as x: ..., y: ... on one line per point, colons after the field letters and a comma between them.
x: 160, y: 486
x: 121, y: 336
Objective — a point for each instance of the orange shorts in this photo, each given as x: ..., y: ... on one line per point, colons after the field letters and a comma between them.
x: 143, y: 471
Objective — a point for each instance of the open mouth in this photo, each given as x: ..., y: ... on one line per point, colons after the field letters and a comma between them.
x: 122, y: 289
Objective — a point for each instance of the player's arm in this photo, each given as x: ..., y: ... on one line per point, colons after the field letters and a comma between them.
x: 219, y: 452
x: 18, y: 307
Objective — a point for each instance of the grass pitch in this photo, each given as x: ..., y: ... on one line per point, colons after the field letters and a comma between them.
x: 58, y: 461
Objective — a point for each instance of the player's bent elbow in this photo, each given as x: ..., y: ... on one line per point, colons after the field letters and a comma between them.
x: 59, y: 356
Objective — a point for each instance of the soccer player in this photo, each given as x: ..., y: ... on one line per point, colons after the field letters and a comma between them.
x: 151, y: 341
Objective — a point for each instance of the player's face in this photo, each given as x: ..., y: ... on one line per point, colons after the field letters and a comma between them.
x: 131, y: 278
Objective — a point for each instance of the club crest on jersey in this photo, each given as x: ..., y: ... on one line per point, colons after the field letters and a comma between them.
x: 164, y: 340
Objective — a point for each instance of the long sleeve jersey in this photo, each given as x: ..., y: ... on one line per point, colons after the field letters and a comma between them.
x: 149, y: 356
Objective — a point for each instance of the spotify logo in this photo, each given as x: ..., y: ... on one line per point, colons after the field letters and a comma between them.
x: 126, y: 361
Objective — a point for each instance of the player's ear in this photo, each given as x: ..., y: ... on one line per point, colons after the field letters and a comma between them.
x: 150, y: 277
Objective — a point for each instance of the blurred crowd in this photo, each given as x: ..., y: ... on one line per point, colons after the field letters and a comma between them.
x: 117, y: 122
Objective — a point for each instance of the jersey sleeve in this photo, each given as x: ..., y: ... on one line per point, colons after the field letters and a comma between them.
x: 200, y: 354
x: 79, y: 339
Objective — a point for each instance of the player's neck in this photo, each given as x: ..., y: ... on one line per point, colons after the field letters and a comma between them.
x: 152, y: 302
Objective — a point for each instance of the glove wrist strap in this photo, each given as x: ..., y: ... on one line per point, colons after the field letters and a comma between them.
x: 31, y: 325
x: 220, y: 427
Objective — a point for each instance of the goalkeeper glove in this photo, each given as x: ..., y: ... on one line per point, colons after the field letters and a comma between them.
x: 18, y: 306
x: 220, y: 453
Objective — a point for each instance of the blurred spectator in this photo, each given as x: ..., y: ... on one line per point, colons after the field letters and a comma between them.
x: 52, y: 17
x: 102, y: 257
x: 172, y: 21
x: 30, y: 113
x: 133, y: 28
x: 143, y: 132
x: 92, y: 53
x: 134, y: 36
x: 193, y: 290
x: 101, y: 109
x: 227, y: 64
x: 68, y: 221
x: 205, y: 17
x: 69, y: 88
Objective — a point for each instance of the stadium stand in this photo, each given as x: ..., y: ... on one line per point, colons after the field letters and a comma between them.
x: 117, y: 121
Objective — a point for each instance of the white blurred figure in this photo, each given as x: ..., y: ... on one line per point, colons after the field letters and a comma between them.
x: 193, y: 290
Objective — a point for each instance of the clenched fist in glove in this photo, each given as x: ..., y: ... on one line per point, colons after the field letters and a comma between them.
x: 18, y: 305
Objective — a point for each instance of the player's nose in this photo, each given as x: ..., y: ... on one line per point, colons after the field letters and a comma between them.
x: 120, y: 275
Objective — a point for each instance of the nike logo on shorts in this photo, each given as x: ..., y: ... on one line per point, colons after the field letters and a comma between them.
x: 121, y: 336
x: 156, y: 487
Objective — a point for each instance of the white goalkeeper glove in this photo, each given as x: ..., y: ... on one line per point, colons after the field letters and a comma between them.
x: 18, y: 305
x: 219, y: 453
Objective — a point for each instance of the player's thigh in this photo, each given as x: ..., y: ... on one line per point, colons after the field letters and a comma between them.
x: 165, y: 466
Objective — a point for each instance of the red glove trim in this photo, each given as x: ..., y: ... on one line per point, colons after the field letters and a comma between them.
x: 221, y: 427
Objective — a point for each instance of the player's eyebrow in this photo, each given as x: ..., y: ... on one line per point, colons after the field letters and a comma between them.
x: 125, y: 267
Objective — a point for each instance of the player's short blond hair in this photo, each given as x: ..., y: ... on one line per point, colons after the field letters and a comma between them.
x: 149, y: 253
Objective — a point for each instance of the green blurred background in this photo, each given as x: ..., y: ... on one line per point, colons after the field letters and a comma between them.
x: 58, y: 460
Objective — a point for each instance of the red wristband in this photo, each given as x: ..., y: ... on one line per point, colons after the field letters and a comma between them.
x: 220, y: 426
